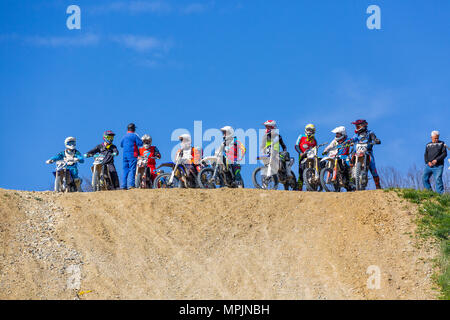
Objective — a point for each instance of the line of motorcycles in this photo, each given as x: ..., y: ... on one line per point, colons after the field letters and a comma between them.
x: 329, y: 174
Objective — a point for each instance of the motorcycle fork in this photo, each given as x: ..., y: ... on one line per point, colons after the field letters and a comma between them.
x: 335, y: 170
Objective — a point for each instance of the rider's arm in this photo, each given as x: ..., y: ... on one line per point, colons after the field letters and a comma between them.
x: 93, y: 151
x: 374, y: 138
x: 79, y: 156
x: 330, y: 146
x: 297, y: 144
x: 157, y: 153
x: 283, y: 146
x: 115, y: 150
x: 58, y: 157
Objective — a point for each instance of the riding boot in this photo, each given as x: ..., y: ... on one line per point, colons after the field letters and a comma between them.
x: 78, y: 184
x: 377, y: 182
x: 300, y: 184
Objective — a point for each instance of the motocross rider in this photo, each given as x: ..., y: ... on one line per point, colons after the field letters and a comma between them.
x: 189, y: 155
x: 231, y: 149
x: 364, y: 134
x: 109, y: 150
x: 149, y: 152
x: 72, y: 156
x: 272, y: 138
x: 340, y: 141
x: 304, y: 143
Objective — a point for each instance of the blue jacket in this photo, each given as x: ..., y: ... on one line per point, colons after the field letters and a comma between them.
x: 130, y: 144
x: 62, y: 155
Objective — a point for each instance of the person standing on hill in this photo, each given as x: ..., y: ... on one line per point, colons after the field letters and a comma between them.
x: 435, y: 154
x: 130, y: 144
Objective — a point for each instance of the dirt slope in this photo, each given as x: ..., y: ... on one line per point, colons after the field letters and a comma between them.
x: 210, y: 244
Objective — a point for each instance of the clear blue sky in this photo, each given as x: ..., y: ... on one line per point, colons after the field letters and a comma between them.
x: 163, y: 64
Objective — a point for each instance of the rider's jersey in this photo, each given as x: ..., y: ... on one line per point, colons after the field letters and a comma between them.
x: 343, y: 152
x: 304, y: 143
x: 107, y: 150
x: 277, y: 141
x: 366, y: 136
x: 192, y: 155
x: 66, y: 156
x: 149, y: 153
x: 233, y: 151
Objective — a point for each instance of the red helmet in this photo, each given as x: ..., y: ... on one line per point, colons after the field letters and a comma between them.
x: 361, y: 125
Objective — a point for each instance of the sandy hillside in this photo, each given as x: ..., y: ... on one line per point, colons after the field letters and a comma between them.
x: 210, y: 244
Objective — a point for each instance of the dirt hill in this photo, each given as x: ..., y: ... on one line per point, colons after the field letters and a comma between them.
x: 210, y: 244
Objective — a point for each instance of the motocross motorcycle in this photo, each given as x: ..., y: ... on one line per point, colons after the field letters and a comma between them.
x: 179, y: 177
x: 217, y: 172
x: 360, y: 163
x: 101, y: 178
x: 333, y: 176
x: 275, y: 171
x: 64, y: 181
x: 311, y: 169
x: 143, y: 177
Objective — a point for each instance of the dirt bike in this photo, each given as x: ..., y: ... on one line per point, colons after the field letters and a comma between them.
x: 217, y: 172
x: 334, y: 175
x: 101, y: 178
x: 269, y: 176
x: 179, y: 177
x: 311, y: 169
x: 360, y: 163
x: 64, y: 181
x: 143, y: 177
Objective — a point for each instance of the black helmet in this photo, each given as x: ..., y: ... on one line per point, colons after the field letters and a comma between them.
x: 131, y: 127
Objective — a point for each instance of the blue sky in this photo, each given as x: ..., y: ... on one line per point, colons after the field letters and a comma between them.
x: 163, y: 64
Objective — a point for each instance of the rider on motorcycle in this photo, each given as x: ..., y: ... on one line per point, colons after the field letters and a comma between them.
x: 304, y: 143
x: 231, y: 149
x: 364, y: 134
x: 272, y: 138
x: 341, y: 141
x: 109, y: 150
x: 72, y: 156
x: 149, y: 152
x: 189, y: 155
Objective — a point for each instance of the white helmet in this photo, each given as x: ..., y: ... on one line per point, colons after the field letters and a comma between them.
x: 145, y: 138
x: 228, y: 133
x: 341, y: 131
x: 271, y: 123
x: 185, y: 141
x: 70, y: 143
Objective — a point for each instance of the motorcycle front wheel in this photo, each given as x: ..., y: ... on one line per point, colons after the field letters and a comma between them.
x: 309, y: 179
x: 326, y: 176
x: 206, y: 179
x: 261, y: 181
x: 162, y: 181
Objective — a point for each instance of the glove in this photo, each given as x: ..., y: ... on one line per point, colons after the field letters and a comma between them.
x: 49, y: 161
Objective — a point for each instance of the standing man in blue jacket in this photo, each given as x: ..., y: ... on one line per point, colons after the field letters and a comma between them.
x: 130, y: 144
